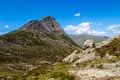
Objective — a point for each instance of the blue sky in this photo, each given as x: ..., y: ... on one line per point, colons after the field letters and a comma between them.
x: 96, y: 17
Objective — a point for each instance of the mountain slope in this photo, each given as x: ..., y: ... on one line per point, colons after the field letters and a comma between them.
x: 79, y: 39
x: 38, y: 40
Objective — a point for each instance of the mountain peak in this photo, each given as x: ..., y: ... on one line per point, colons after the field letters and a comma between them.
x: 46, y: 24
x: 46, y: 18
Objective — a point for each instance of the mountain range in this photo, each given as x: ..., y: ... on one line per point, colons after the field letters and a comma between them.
x: 80, y: 39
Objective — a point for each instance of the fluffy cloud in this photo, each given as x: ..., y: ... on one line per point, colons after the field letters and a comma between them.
x: 77, y: 14
x: 96, y: 32
x: 6, y: 26
x: 114, y: 28
x: 83, y: 28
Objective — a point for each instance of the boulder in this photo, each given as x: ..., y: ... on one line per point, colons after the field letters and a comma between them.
x: 72, y: 57
x: 88, y: 44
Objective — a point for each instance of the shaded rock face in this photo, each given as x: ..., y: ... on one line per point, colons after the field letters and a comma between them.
x: 51, y: 22
x: 33, y: 25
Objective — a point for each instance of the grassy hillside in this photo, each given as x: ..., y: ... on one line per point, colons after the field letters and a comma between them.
x: 29, y: 46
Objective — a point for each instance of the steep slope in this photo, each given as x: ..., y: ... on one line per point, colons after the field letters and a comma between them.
x: 79, y: 39
x: 38, y: 40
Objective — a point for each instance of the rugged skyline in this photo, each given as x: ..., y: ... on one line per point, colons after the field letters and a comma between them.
x: 76, y: 16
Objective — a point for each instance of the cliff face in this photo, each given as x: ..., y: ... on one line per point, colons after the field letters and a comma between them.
x: 38, y: 40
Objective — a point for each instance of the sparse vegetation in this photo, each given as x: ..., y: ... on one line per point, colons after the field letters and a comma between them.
x: 111, y: 49
x: 79, y: 51
x: 30, y: 46
x: 95, y: 62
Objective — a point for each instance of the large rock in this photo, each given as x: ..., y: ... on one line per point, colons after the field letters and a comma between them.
x: 72, y: 57
x: 88, y: 44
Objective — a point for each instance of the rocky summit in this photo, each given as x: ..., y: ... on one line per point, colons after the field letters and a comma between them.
x: 47, y: 24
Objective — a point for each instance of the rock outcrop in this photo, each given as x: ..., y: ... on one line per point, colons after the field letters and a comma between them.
x: 90, y: 50
x: 88, y: 44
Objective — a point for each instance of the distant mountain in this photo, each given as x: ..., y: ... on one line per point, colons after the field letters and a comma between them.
x: 38, y: 40
x: 80, y: 39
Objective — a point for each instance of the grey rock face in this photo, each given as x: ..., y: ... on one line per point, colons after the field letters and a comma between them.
x: 51, y: 22
x: 33, y: 25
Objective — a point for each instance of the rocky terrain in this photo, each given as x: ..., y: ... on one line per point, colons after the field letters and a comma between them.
x: 99, y: 61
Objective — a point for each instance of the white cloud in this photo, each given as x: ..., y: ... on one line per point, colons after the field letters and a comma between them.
x: 6, y: 26
x: 70, y: 28
x: 77, y: 14
x: 80, y: 28
x: 83, y: 28
x: 96, y: 32
x: 114, y: 28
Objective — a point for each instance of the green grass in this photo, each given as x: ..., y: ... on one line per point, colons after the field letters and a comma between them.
x: 59, y: 71
x: 79, y: 51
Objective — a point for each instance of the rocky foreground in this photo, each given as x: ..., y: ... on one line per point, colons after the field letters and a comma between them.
x: 96, y: 61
